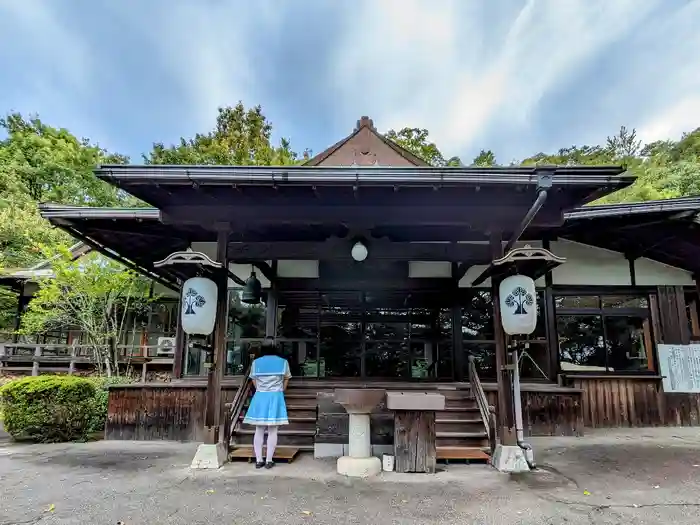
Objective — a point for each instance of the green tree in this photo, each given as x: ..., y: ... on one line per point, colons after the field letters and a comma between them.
x: 50, y: 164
x: 416, y: 140
x: 92, y: 294
x: 241, y: 137
x: 484, y: 158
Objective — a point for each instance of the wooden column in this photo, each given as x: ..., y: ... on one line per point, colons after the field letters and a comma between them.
x: 506, y: 428
x: 457, y: 346
x: 550, y: 320
x: 22, y: 302
x: 215, y: 375
x: 271, y: 312
x: 180, y: 339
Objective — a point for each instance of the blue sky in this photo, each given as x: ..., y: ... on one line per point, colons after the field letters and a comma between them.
x: 513, y: 76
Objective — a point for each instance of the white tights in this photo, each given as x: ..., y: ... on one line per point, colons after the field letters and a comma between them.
x: 258, y: 442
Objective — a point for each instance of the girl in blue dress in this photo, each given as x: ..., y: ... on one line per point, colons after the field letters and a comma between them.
x: 270, y: 375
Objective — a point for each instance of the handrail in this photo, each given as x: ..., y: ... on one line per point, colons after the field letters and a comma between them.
x: 480, y: 396
x: 239, y: 400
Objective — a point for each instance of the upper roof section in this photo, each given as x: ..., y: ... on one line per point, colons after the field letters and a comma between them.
x: 365, y: 147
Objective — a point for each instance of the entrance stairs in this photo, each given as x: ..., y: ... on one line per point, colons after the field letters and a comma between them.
x: 461, y: 433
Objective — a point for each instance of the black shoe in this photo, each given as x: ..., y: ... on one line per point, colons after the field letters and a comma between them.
x: 269, y: 464
x: 259, y: 465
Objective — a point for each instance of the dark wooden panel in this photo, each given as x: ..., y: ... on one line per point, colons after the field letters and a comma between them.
x: 174, y: 413
x: 549, y: 413
x: 672, y: 315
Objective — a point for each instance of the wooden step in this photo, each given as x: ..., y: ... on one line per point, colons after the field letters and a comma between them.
x: 287, y: 454
x: 298, y: 424
x: 459, y: 425
x: 461, y: 453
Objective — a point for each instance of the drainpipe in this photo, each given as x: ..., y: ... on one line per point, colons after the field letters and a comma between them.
x: 517, y: 408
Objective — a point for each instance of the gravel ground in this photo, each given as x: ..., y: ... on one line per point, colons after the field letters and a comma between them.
x: 640, y: 476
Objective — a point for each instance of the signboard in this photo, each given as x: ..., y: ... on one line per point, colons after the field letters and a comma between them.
x: 680, y: 366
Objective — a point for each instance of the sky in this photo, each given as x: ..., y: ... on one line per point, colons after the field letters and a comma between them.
x: 516, y: 77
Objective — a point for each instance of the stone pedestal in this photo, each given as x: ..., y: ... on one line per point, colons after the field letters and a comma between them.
x: 509, y: 458
x: 359, y: 404
x: 209, y: 456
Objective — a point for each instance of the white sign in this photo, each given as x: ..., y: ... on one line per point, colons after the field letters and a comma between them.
x: 198, y: 313
x: 518, y: 304
x: 680, y: 366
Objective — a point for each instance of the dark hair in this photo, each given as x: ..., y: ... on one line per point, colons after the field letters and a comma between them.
x: 269, y: 347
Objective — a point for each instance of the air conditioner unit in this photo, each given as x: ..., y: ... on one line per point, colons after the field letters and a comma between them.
x: 166, y: 346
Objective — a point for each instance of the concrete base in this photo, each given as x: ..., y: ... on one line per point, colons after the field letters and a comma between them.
x: 509, y: 459
x: 359, y: 467
x: 209, y: 456
x: 336, y: 450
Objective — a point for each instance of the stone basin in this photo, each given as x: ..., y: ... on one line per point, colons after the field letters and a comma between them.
x: 359, y: 400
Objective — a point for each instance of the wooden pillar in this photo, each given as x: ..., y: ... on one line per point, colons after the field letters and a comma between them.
x: 550, y: 320
x: 271, y: 313
x: 215, y: 374
x: 506, y: 428
x: 179, y: 355
x: 22, y: 302
x: 457, y: 346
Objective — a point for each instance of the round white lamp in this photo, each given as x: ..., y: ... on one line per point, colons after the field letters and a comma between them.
x: 359, y: 252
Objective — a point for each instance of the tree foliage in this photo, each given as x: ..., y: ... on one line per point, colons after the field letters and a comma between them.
x: 241, y: 137
x: 92, y: 294
x: 416, y: 140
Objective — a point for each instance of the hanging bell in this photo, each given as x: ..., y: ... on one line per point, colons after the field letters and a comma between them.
x: 252, y: 292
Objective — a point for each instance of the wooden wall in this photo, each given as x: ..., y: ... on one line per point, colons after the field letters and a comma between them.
x: 548, y: 411
x: 624, y: 401
x: 172, y: 411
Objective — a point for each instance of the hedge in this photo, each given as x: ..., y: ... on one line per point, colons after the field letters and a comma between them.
x: 52, y: 408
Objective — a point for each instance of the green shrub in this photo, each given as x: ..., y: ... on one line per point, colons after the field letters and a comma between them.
x: 99, y: 411
x: 50, y: 408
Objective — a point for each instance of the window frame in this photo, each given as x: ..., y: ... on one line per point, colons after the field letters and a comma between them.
x: 603, y: 313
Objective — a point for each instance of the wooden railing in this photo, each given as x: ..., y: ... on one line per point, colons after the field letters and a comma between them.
x: 238, y: 402
x: 60, y: 356
x: 488, y: 413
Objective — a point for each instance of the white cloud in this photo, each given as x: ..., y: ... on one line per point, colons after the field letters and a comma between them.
x: 54, y: 53
x: 442, y: 66
x: 205, y: 48
x: 673, y: 121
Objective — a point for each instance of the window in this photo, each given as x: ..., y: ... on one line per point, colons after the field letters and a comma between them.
x: 478, y: 338
x: 604, y: 333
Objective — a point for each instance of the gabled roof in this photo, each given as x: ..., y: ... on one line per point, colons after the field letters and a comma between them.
x: 365, y: 126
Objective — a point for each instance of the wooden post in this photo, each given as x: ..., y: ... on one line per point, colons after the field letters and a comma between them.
x: 550, y: 322
x: 414, y: 441
x: 506, y: 429
x: 35, y: 363
x: 71, y: 364
x: 457, y: 345
x: 212, y: 420
x: 179, y: 355
x: 271, y: 313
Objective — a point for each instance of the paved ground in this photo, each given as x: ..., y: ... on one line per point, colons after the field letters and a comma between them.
x: 640, y: 477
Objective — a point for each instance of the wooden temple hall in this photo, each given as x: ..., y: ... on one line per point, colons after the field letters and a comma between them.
x: 378, y: 270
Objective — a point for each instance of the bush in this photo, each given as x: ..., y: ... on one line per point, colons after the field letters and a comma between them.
x: 51, y: 408
x: 99, y: 411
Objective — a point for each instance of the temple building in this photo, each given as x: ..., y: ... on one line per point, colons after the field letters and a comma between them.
x: 377, y: 269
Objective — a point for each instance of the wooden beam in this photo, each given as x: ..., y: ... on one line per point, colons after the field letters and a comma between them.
x: 359, y: 214
x: 336, y: 248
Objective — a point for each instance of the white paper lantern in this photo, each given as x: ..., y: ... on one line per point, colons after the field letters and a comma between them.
x: 198, y: 313
x: 518, y: 305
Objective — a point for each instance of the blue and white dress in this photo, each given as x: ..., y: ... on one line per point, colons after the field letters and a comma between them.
x: 267, y: 406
